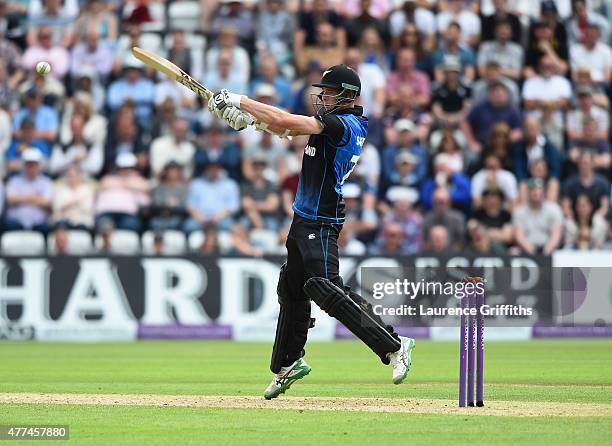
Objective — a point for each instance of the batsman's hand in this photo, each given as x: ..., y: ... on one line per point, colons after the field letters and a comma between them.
x: 237, y: 119
x: 219, y: 101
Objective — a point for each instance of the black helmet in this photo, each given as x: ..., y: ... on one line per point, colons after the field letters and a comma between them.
x: 341, y: 77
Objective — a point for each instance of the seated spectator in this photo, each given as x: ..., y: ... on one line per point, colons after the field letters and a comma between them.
x: 587, y: 110
x: 405, y: 143
x: 421, y: 20
x: 45, y: 49
x: 96, y: 15
x: 326, y: 50
x: 372, y: 48
x: 301, y: 103
x: 421, y: 45
x: 451, y: 97
x: 174, y: 147
x: 364, y: 15
x: 126, y: 137
x: 25, y: 138
x: 587, y: 182
x: 363, y: 218
x: 451, y: 47
x: 538, y: 223
x: 493, y: 175
x: 241, y: 243
x: 169, y: 199
x: 123, y: 49
x: 593, y: 141
x: 496, y: 108
x: 454, y: 183
x: 456, y: 12
x: 89, y: 157
x: 94, y: 54
x: 218, y: 148
x: 235, y: 15
x: 10, y: 62
x: 133, y: 86
x: 227, y: 42
x: 181, y: 55
x: 508, y: 54
x: 390, y: 243
x: 443, y: 215
x: 348, y: 244
x: 535, y: 146
x: 586, y: 230
x: 73, y: 201
x: 373, y: 83
x: 368, y: 170
x: 437, y: 242
x: 583, y: 18
x: 583, y: 80
x: 592, y: 53
x: 268, y: 74
x: 226, y: 75
x: 308, y: 21
x: 52, y: 90
x: 55, y: 15
x: 498, y: 144
x: 481, y: 242
x: 544, y: 43
x: 212, y: 199
x: 60, y: 236
x: 210, y: 246
x: 45, y: 118
x: 539, y: 170
x: 121, y: 196
x: 501, y: 14
x: 275, y: 26
x: 449, y: 145
x: 493, y: 216
x: 260, y: 199
x: 403, y: 214
x: 491, y: 73
x: 96, y: 125
x: 28, y: 196
x: 406, y: 75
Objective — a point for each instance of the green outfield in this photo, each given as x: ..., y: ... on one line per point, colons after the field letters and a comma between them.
x: 568, y: 377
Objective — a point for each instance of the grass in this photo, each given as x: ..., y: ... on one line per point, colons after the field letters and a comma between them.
x: 542, y: 370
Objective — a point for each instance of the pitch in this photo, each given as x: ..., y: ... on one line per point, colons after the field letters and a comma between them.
x: 537, y: 392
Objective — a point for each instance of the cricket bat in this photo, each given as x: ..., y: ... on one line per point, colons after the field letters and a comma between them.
x: 175, y: 73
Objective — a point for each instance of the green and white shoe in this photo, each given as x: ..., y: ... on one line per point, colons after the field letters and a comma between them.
x: 401, y: 360
x: 287, y: 376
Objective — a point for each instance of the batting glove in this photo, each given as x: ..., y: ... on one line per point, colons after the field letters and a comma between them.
x: 237, y: 119
x: 219, y: 101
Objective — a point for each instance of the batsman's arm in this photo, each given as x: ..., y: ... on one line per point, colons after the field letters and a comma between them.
x: 279, y: 121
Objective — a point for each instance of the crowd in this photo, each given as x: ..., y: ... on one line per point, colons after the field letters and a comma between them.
x: 489, y: 127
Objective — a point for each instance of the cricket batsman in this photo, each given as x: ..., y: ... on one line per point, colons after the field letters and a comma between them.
x: 311, y: 272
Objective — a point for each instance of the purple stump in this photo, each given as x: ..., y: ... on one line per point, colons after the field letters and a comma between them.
x: 463, y: 347
x: 471, y: 351
x: 480, y: 342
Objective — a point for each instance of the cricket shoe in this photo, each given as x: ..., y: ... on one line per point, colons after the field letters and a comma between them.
x: 287, y: 376
x: 401, y: 360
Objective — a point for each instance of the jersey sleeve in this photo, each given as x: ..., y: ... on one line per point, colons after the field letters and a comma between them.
x: 333, y: 127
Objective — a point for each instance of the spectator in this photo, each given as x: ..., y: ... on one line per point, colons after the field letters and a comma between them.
x: 169, y: 199
x: 586, y: 111
x: 234, y: 14
x: 268, y: 74
x: 594, y: 54
x: 275, y: 26
x: 467, y: 20
x: 210, y: 246
x: 43, y: 48
x: 55, y: 15
x: 587, y: 229
x: 126, y: 137
x: 584, y: 17
x: 373, y: 83
x: 87, y: 156
x: 543, y: 44
x: 533, y: 147
x: 218, y: 148
x: 403, y: 214
x: 493, y: 73
x: 508, y: 54
x: 121, y: 196
x: 212, y: 199
x: 443, y: 215
x: 592, y: 141
x: 228, y: 43
x: 494, y: 176
x: 362, y: 19
x: 362, y: 217
x: 136, y: 89
x: 501, y: 14
x: 451, y: 47
x: 86, y: 82
x: 390, y: 243
x: 446, y: 142
x: 181, y: 55
x: 241, y: 244
x: 372, y: 48
x: 438, y: 241
x: 73, y: 201
x: 496, y: 108
x: 539, y: 170
x: 583, y: 80
x: 309, y: 21
x: 25, y: 138
x: 94, y: 54
x: 28, y: 196
x: 420, y: 20
x: 302, y: 103
x: 10, y: 58
x: 538, y: 223
x: 326, y: 50
x: 587, y: 182
x: 226, y: 75
x: 493, y: 216
x: 95, y: 15
x: 406, y: 75
x: 260, y: 199
x: 175, y: 147
x: 481, y: 242
x: 454, y: 183
x: 96, y: 126
x: 451, y: 98
x: 500, y: 145
x: 45, y: 118
x: 406, y: 144
x: 348, y: 244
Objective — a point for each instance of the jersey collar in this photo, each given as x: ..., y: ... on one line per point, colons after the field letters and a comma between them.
x: 356, y: 110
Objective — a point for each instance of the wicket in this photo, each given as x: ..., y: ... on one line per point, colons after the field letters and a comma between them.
x: 471, y: 348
